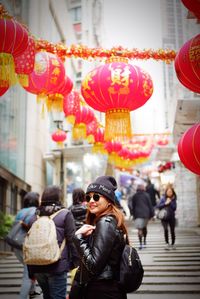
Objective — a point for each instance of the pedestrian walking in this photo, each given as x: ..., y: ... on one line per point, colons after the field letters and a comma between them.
x: 100, y: 243
x: 142, y: 211
x: 169, y: 203
x: 153, y: 192
x: 78, y: 207
x: 52, y: 278
x: 30, y: 203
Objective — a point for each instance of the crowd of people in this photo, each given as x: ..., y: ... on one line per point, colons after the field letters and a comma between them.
x: 94, y: 227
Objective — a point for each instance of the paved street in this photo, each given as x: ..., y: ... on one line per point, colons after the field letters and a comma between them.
x: 168, y: 274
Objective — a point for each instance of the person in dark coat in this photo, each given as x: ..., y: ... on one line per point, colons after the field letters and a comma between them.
x: 153, y: 192
x: 142, y: 211
x: 100, y: 243
x: 169, y: 201
x: 53, y: 278
x: 78, y: 207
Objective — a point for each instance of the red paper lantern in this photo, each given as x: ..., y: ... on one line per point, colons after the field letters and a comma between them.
x: 193, y: 6
x: 13, y: 42
x: 71, y: 105
x: 24, y: 63
x: 162, y: 140
x: 59, y: 137
x: 116, y: 88
x: 14, y: 37
x: 189, y: 149
x: 82, y: 119
x: 3, y: 90
x: 187, y: 63
x: 55, y: 100
x: 91, y: 129
x: 113, y: 146
x: 48, y: 74
x: 99, y: 142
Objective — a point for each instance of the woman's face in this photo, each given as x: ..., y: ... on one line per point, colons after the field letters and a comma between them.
x: 96, y: 206
x: 169, y: 192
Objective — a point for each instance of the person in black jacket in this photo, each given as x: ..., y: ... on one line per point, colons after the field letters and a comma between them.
x: 142, y: 211
x: 78, y: 207
x: 153, y: 192
x: 100, y: 243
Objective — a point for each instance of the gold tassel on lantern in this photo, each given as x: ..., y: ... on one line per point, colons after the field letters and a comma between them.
x: 41, y: 100
x: 55, y: 102
x: 23, y: 79
x: 79, y: 131
x: 7, y: 70
x: 98, y: 148
x: 118, y: 125
x: 71, y: 119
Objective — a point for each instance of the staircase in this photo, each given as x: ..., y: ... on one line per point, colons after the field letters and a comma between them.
x: 173, y: 274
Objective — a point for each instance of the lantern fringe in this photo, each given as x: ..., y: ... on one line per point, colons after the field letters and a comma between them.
x: 117, y: 125
x: 7, y: 70
x: 55, y: 102
x: 60, y: 144
x: 41, y: 100
x: 79, y: 131
x: 23, y: 79
x: 90, y: 139
x: 70, y: 119
x: 98, y: 148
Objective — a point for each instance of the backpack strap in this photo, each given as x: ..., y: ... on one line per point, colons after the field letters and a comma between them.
x: 64, y: 240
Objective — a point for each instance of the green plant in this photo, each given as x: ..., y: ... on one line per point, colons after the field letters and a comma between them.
x: 6, y: 222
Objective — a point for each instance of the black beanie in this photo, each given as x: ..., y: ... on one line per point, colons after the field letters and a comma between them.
x: 104, y: 185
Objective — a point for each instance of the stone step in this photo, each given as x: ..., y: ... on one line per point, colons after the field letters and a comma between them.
x: 169, y: 288
x: 172, y: 280
x: 171, y: 274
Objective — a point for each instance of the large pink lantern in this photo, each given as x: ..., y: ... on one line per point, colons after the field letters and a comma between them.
x: 71, y: 105
x: 189, y: 149
x: 13, y: 42
x: 56, y: 99
x: 24, y: 64
x: 82, y: 119
x: 187, y: 64
x: 48, y: 74
x: 117, y: 88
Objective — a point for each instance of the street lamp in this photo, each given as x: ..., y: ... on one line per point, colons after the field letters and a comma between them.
x: 58, y: 119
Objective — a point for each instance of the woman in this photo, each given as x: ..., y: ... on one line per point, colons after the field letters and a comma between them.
x: 100, y: 243
x: 30, y: 203
x: 168, y: 201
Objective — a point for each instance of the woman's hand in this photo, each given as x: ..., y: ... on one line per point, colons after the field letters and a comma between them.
x: 168, y: 200
x: 85, y: 230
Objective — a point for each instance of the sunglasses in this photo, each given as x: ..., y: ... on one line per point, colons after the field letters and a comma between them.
x: 95, y: 197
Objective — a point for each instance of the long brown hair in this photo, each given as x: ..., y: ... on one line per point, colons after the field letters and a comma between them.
x: 111, y: 210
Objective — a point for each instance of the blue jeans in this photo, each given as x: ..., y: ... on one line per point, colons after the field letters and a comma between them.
x: 27, y: 285
x: 54, y: 286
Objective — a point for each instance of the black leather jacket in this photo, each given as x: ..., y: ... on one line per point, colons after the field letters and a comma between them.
x: 100, y: 252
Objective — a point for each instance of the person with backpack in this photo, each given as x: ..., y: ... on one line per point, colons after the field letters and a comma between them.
x: 48, y: 248
x: 30, y: 203
x: 100, y: 243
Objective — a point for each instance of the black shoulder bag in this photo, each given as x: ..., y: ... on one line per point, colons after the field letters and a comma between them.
x: 131, y: 269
